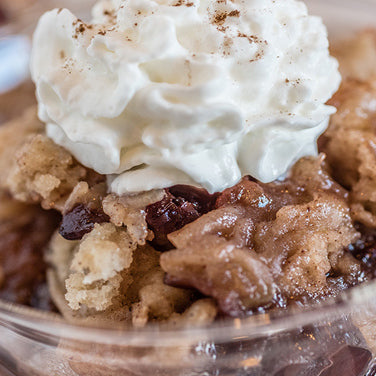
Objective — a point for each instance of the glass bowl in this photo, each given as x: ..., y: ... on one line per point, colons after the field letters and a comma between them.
x: 337, y: 337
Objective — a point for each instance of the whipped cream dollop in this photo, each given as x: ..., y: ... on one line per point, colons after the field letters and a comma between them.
x: 154, y: 93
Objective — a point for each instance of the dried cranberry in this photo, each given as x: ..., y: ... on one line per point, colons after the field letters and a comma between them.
x: 181, y: 205
x: 80, y: 221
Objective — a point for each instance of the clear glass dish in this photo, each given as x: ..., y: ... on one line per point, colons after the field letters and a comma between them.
x: 334, y: 338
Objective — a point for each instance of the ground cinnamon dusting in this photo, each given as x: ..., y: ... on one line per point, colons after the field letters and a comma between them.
x: 220, y: 17
x: 183, y: 2
x: 80, y: 28
x: 234, y: 13
x: 256, y: 58
x: 252, y: 38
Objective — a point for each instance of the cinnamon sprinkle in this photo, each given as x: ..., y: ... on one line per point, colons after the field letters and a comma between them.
x: 234, y: 13
x: 220, y: 17
x: 183, y: 2
x: 80, y: 28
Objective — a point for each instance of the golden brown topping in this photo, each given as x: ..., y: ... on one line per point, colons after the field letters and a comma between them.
x: 350, y: 143
x: 46, y: 173
x: 266, y: 243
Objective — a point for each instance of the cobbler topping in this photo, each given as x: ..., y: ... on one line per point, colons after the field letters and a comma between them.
x: 349, y: 144
x: 264, y: 245
x: 44, y: 172
x: 139, y: 95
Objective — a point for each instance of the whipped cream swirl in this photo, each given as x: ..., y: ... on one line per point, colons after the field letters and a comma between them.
x: 154, y: 93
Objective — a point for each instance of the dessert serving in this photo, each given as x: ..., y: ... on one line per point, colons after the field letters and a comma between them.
x: 186, y: 169
x: 189, y: 162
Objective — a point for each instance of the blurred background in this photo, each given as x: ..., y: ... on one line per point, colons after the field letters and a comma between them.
x: 18, y: 19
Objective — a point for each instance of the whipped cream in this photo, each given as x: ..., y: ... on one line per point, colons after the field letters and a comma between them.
x: 154, y: 93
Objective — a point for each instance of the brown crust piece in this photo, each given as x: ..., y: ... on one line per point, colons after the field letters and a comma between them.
x: 46, y: 173
x: 350, y: 143
x: 109, y: 277
x: 12, y: 136
x: 36, y: 170
x: 248, y: 253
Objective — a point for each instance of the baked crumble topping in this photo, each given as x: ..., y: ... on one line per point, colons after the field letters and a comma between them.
x: 350, y: 143
x: 265, y: 244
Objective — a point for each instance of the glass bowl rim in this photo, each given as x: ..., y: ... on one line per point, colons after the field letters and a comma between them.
x: 352, y: 300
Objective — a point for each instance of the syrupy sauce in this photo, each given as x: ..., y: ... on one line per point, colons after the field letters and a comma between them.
x: 22, y: 246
